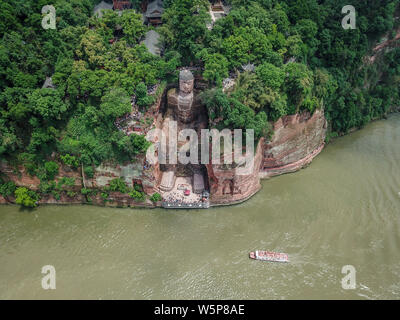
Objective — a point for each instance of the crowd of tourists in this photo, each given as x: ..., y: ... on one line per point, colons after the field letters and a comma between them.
x: 176, y: 198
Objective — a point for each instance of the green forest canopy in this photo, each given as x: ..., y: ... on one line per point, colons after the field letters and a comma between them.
x: 303, y: 60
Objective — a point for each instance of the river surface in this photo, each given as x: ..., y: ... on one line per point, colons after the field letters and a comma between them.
x: 344, y: 209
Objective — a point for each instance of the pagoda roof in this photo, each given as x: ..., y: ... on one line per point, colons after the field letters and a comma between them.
x: 155, y: 9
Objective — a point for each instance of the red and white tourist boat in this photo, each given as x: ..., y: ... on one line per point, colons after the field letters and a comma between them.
x: 269, y: 256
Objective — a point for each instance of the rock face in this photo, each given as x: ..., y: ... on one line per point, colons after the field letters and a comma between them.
x: 21, y: 177
x: 139, y: 172
x: 296, y: 141
x: 233, y: 185
x: 3, y: 200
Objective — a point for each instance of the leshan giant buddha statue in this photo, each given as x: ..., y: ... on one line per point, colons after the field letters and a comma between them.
x: 183, y: 102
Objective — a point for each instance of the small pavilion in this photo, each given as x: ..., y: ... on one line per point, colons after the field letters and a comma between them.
x: 154, y: 12
x: 122, y: 4
x: 98, y: 10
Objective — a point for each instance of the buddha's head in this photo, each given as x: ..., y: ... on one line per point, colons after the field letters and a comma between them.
x: 186, y: 81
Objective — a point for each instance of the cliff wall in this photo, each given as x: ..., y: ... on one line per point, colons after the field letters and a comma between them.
x: 233, y: 185
x: 22, y: 178
x: 297, y: 140
x: 131, y: 173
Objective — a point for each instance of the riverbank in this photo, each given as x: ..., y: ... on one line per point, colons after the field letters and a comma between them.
x: 296, y: 141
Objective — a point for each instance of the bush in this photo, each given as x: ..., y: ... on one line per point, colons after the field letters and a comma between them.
x: 104, y: 196
x: 56, y: 195
x: 156, y: 197
x: 71, y: 194
x: 7, y: 189
x: 65, y: 182
x: 89, y: 172
x: 88, y: 192
x: 47, y: 187
x: 70, y: 161
x: 137, y: 195
x: 143, y: 99
x: 118, y: 185
x: 25, y: 197
x: 51, y: 168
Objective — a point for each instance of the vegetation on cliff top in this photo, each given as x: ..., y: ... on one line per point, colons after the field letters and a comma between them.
x: 303, y: 59
x: 94, y: 80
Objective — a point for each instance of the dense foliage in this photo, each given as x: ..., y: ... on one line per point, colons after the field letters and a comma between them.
x: 303, y: 59
x: 298, y: 57
x: 96, y: 65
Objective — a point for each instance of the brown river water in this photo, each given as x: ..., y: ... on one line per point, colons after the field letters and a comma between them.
x: 344, y: 209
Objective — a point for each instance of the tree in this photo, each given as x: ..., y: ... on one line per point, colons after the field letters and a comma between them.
x: 132, y: 26
x: 8, y: 18
x: 308, y: 30
x: 7, y: 188
x: 156, y: 197
x: 273, y: 77
x: 227, y: 112
x: 115, y: 103
x: 215, y: 66
x: 51, y: 168
x: 8, y: 140
x: 48, y: 104
x: 26, y: 198
x: 92, y: 48
x: 299, y: 83
x: 131, y: 146
x: 143, y: 99
x: 236, y: 49
x: 184, y: 27
x: 69, y: 160
x: 42, y: 142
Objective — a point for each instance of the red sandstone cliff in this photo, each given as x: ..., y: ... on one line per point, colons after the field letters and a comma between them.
x: 297, y: 140
x: 229, y: 187
x: 102, y: 176
x: 22, y: 178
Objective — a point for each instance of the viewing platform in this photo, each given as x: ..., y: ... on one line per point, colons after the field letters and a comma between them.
x: 182, y: 205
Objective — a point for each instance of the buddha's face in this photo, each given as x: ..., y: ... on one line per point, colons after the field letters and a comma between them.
x: 186, y: 86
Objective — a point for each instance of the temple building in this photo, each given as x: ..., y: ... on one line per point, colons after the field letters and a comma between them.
x: 218, y: 9
x: 152, y: 42
x: 98, y: 10
x: 154, y: 12
x: 48, y: 84
x: 121, y: 4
